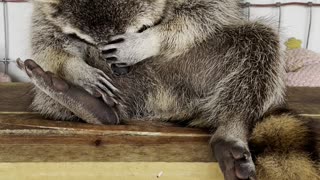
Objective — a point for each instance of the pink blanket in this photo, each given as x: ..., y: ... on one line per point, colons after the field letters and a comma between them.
x: 303, y: 68
x: 4, y: 78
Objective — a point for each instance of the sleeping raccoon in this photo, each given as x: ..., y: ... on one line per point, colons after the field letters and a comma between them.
x: 192, y: 61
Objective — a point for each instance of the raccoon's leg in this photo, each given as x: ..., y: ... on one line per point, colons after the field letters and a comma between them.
x: 183, y: 24
x: 232, y: 153
x: 77, y: 100
x: 250, y: 84
x: 50, y: 108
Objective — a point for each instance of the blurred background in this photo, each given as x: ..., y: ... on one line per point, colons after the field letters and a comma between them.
x: 299, y: 27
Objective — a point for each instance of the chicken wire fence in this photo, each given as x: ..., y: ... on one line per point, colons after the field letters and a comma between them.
x: 247, y: 6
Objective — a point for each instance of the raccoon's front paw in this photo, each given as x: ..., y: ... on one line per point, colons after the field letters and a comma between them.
x: 234, y: 159
x: 98, y: 84
x: 131, y: 48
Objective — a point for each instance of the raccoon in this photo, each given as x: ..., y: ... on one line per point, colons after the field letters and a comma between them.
x: 196, y: 62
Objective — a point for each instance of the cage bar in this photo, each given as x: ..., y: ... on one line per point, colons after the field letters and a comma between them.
x: 246, y: 5
x: 6, y: 38
x: 310, y: 4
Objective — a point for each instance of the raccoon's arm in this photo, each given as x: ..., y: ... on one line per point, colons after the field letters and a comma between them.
x: 184, y: 24
x: 46, y: 49
x: 190, y: 22
x: 52, y: 54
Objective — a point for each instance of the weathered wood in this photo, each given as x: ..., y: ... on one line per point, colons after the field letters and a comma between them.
x: 28, y: 137
x: 15, y: 97
x: 305, y: 101
x: 110, y: 171
x: 36, y: 121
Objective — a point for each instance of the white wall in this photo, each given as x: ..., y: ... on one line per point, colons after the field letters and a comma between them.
x: 294, y: 24
x: 294, y: 21
x: 1, y: 38
x: 19, y: 16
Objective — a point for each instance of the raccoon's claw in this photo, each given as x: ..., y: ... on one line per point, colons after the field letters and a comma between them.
x: 114, y: 51
x: 98, y: 84
x: 130, y: 48
x: 234, y: 159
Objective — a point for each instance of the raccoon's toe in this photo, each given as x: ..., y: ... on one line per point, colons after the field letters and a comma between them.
x: 43, y: 80
x: 234, y: 159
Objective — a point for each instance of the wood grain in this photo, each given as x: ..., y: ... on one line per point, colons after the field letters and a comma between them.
x: 110, y: 171
x: 28, y: 137
x: 305, y: 101
x: 15, y: 97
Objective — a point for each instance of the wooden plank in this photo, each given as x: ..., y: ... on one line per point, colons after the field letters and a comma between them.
x: 110, y: 171
x: 29, y: 138
x: 37, y: 121
x: 16, y: 97
x: 85, y: 150
x: 305, y: 101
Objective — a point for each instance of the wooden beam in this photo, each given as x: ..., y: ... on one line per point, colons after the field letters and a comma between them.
x: 110, y: 171
x: 16, y: 97
x: 305, y: 101
x: 30, y: 138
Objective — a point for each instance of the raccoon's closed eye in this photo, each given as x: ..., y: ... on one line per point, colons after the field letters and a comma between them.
x: 74, y: 36
x: 143, y: 28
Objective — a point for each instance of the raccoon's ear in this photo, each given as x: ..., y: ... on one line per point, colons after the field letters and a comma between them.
x: 48, y: 1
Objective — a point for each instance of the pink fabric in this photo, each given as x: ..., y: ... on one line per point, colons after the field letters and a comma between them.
x: 4, y: 78
x: 303, y: 68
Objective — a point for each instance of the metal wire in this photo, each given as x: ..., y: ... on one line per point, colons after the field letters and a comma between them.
x: 13, y: 0
x: 3, y: 61
x: 280, y: 15
x: 310, y: 24
x: 282, y: 4
x: 247, y: 5
x: 6, y: 59
x: 6, y: 38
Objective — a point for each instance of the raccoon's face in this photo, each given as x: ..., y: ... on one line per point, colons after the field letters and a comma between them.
x: 93, y: 20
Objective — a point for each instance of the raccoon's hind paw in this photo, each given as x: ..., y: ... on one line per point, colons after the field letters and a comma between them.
x: 130, y: 48
x: 234, y: 159
x: 43, y: 80
x: 77, y: 100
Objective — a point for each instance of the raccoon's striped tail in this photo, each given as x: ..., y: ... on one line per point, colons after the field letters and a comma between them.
x: 286, y: 147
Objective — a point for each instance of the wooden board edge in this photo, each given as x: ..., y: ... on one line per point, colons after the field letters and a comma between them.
x: 110, y: 171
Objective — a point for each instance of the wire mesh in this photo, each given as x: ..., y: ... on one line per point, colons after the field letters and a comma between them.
x: 247, y: 6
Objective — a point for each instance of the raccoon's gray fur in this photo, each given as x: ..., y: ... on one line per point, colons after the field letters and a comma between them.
x: 203, y: 65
